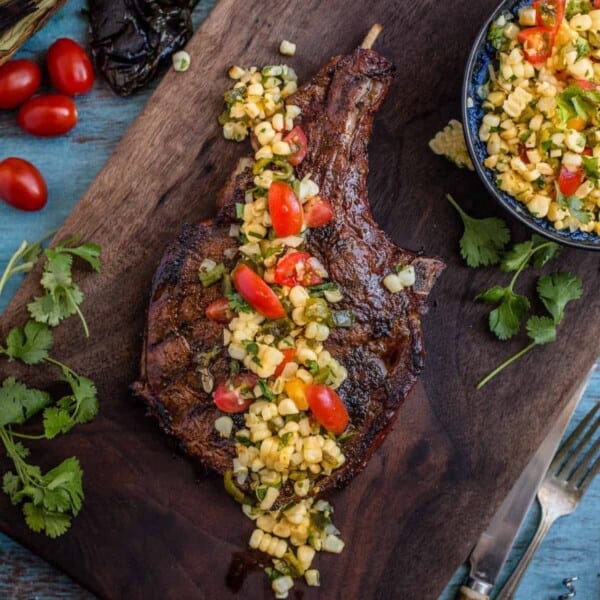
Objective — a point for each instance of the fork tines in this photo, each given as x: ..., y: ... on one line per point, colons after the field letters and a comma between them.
x: 572, y: 462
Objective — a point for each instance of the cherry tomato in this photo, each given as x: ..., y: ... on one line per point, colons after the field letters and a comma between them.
x: 537, y: 43
x: 257, y: 293
x: 70, y: 68
x: 19, y: 80
x: 327, y: 407
x: 48, y: 115
x: 22, y: 185
x: 549, y: 13
x: 297, y: 140
x: 288, y: 356
x: 317, y: 212
x: 596, y: 3
x: 219, y: 311
x: 295, y: 269
x: 569, y: 181
x: 285, y: 209
x: 235, y: 396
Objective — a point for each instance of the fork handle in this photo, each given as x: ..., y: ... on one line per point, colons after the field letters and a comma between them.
x: 510, y: 587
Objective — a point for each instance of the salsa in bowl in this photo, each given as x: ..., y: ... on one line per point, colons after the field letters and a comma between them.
x: 531, y: 107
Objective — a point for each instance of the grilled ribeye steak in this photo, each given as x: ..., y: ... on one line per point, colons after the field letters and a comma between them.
x: 383, y: 352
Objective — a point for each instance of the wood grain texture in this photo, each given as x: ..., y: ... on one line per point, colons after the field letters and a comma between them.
x: 439, y: 467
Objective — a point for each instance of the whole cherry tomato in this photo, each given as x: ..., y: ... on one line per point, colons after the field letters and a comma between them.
x: 254, y: 290
x: 296, y: 269
x: 70, y: 68
x: 219, y: 311
x: 48, y: 115
x: 19, y: 80
x: 327, y: 407
x: 285, y: 209
x: 317, y: 212
x: 236, y: 396
x: 297, y: 140
x: 22, y: 185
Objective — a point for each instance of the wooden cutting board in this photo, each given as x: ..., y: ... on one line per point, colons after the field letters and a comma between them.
x: 154, y: 525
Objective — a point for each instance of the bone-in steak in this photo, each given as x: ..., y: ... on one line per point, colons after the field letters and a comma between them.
x: 383, y: 352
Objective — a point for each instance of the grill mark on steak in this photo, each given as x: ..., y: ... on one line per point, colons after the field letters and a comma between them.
x: 383, y: 352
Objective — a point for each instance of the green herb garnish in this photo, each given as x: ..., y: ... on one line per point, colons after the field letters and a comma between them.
x: 483, y: 239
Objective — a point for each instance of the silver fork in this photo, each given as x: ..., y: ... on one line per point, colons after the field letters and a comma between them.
x: 566, y: 481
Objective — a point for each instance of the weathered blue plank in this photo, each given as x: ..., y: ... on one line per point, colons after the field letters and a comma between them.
x: 69, y: 164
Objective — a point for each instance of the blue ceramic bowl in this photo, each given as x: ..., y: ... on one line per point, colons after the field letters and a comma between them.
x: 476, y: 75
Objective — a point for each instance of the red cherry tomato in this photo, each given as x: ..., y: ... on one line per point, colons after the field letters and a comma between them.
x: 549, y: 13
x: 537, y: 43
x: 327, y: 407
x: 317, y: 212
x: 285, y: 209
x: 288, y: 356
x: 48, y: 115
x: 22, y: 185
x: 596, y: 3
x: 295, y: 269
x: 236, y: 396
x: 219, y: 311
x: 297, y: 140
x: 19, y: 80
x: 70, y: 68
x: 257, y: 293
x: 569, y: 181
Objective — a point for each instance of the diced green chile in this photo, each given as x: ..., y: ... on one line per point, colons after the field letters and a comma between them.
x: 316, y: 309
x: 208, y: 278
x: 341, y: 318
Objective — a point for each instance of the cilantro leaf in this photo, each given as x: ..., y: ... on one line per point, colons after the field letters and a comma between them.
x: 483, y: 239
x: 517, y: 257
x: 543, y: 250
x: 89, y: 252
x: 18, y: 402
x: 53, y: 524
x: 542, y: 330
x: 237, y: 303
x: 11, y: 484
x: 29, y: 344
x: 79, y: 407
x: 557, y: 290
x: 505, y: 320
x: 576, y: 7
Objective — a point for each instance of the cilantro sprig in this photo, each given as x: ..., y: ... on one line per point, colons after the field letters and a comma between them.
x: 23, y: 260
x: 49, y: 500
x: 483, y: 240
x: 62, y: 295
x: 555, y: 292
x: 505, y: 319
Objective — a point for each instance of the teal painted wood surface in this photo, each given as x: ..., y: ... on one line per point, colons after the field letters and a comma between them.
x: 69, y: 164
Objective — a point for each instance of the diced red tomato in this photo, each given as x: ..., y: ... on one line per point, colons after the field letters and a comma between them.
x: 297, y: 140
x: 317, y: 212
x: 596, y: 3
x: 219, y: 311
x: 588, y: 152
x: 327, y: 407
x: 523, y: 154
x: 296, y: 269
x: 285, y: 209
x: 235, y: 396
x: 288, y: 356
x: 549, y: 13
x: 537, y: 43
x: 585, y: 84
x: 569, y: 181
x: 257, y: 293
